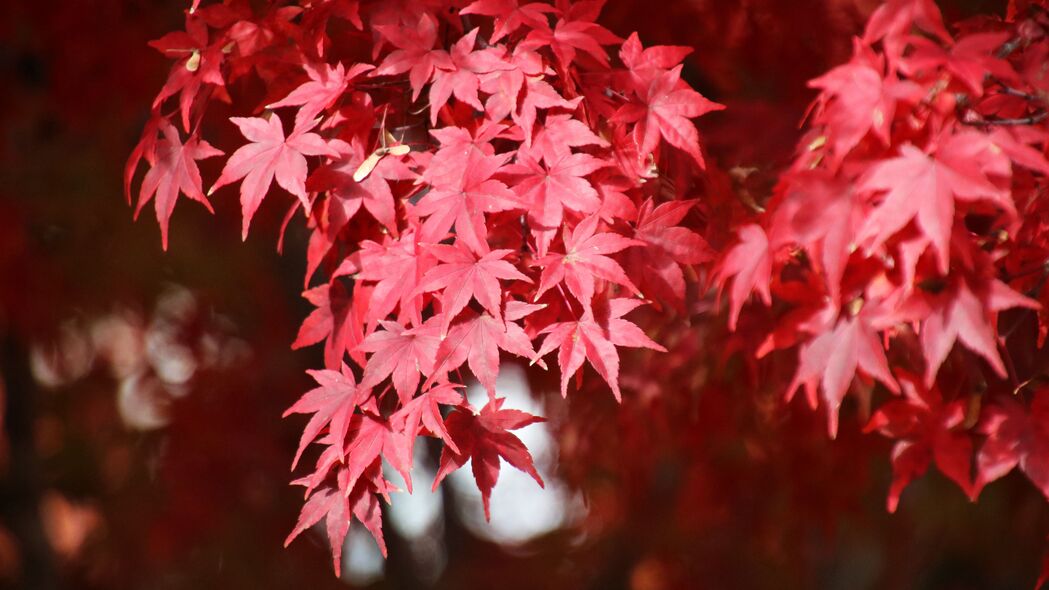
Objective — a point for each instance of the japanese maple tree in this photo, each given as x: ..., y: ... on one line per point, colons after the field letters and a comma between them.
x: 490, y: 179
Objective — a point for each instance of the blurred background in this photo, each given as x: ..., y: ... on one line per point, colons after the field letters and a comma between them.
x: 141, y: 444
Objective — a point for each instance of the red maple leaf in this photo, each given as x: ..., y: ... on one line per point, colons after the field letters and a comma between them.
x: 548, y: 190
x: 666, y: 246
x: 558, y: 135
x: 541, y: 95
x: 397, y: 266
x: 326, y: 86
x: 571, y: 35
x: 425, y: 410
x: 174, y: 169
x: 585, y: 260
x: 1015, y: 436
x: 332, y: 403
x: 503, y: 85
x: 146, y: 149
x: 368, y: 439
x: 822, y: 214
x: 461, y: 78
x: 402, y: 353
x: 970, y: 60
x: 462, y: 276
x: 336, y: 507
x: 749, y: 265
x: 346, y: 196
x: 464, y: 202
x: 927, y: 430
x: 199, y: 65
x: 856, y: 99
x: 962, y: 311
x: 414, y: 54
x: 270, y: 155
x: 458, y: 149
x: 483, y: 438
x: 645, y: 64
x: 924, y: 188
x: 893, y: 21
x: 594, y: 338
x: 665, y: 109
x: 337, y: 320
x: 510, y: 15
x: 834, y: 356
x: 476, y: 339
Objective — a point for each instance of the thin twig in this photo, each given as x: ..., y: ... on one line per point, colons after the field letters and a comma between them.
x: 1017, y: 122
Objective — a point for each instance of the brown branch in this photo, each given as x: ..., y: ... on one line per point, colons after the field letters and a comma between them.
x: 1009, y: 91
x: 1017, y: 122
x: 1009, y: 47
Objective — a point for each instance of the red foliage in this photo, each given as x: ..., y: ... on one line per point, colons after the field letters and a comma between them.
x: 523, y: 182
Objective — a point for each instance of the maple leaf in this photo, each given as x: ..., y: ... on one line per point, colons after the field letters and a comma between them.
x: 569, y: 36
x: 321, y: 13
x: 371, y: 438
x: 252, y: 37
x: 464, y: 202
x: 594, y: 338
x: 461, y: 78
x: 548, y: 190
x: 1015, y: 436
x: 613, y: 188
x: 483, y: 438
x: 327, y: 84
x: 402, y: 353
x: 857, y: 99
x: 970, y: 60
x: 665, y: 109
x: 503, y: 86
x: 1014, y: 143
x: 510, y: 15
x: 145, y: 149
x: 927, y: 430
x: 585, y: 259
x: 462, y: 276
x: 425, y: 410
x: 336, y: 507
x: 924, y: 188
x: 821, y: 213
x: 666, y: 246
x: 458, y: 151
x: 541, y: 95
x: 833, y: 357
x: 892, y: 23
x: 962, y: 311
x: 749, y: 264
x: 199, y: 65
x: 646, y: 64
x: 336, y: 320
x: 346, y: 196
x: 397, y: 265
x: 331, y: 403
x: 328, y: 321
x: 560, y: 133
x: 269, y: 156
x: 174, y: 169
x: 476, y: 340
x: 414, y: 54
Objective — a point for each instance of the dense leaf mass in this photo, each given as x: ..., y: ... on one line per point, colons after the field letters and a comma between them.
x: 485, y: 177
